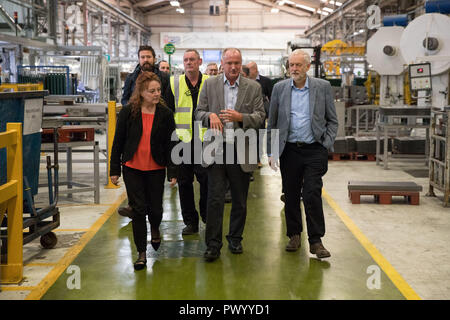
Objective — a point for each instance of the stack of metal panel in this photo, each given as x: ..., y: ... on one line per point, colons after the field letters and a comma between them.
x: 409, y: 145
x: 368, y: 145
x: 340, y: 145
x: 351, y: 143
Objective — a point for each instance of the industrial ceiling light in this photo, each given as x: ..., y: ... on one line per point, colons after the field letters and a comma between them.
x: 305, y: 7
x: 337, y: 3
x: 275, y: 10
x: 327, y: 9
x: 180, y: 10
x: 175, y: 3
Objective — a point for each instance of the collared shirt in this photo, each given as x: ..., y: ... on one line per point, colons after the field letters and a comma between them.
x: 194, y: 91
x: 300, y: 126
x: 230, y: 96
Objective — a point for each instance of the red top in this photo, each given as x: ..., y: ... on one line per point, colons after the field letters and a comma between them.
x: 142, y: 159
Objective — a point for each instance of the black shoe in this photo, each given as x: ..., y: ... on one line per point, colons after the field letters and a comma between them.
x: 283, y: 198
x: 211, y: 254
x: 235, y: 247
x: 189, y: 229
x: 156, y: 239
x: 140, y: 263
x: 126, y: 212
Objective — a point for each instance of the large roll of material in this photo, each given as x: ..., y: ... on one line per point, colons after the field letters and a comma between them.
x: 383, y: 51
x: 427, y: 38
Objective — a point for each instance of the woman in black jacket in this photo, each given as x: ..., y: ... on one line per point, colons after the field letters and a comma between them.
x: 142, y: 147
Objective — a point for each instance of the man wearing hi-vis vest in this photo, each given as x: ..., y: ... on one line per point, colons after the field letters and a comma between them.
x: 182, y: 97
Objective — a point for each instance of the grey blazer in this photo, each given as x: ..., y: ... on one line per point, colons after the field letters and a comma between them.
x: 324, y: 122
x: 249, y: 102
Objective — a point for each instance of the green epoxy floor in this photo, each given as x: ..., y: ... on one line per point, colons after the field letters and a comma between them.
x: 265, y: 270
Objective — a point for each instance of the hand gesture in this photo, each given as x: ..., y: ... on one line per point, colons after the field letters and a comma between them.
x: 115, y: 180
x: 230, y: 115
x: 274, y: 164
x: 215, y: 122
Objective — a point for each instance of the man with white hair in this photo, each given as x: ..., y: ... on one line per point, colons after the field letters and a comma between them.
x: 302, y: 109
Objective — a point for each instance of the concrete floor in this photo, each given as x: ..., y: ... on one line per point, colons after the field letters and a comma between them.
x: 407, y: 243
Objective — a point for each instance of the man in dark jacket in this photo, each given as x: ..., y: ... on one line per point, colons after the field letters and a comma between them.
x: 147, y: 60
x: 266, y: 83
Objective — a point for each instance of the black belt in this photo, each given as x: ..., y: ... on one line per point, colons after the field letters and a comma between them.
x: 300, y: 144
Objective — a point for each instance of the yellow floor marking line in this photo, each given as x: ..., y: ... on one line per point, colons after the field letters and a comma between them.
x: 41, y: 264
x: 70, y: 230
x: 65, y: 261
x: 68, y: 205
x: 17, y: 288
x: 388, y: 269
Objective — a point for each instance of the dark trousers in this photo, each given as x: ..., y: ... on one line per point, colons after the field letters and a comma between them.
x: 217, y: 180
x: 185, y: 181
x: 145, y: 191
x: 304, y: 167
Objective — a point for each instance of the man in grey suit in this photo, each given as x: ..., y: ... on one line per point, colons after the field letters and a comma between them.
x: 229, y: 102
x: 302, y: 109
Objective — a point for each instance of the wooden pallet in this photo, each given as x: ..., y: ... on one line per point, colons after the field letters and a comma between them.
x: 384, y: 191
x: 69, y: 134
x: 341, y: 156
x: 365, y: 156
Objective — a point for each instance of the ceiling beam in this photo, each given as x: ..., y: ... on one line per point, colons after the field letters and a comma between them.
x: 120, y: 14
x: 169, y: 7
x: 296, y: 12
x: 336, y: 14
x: 149, y: 3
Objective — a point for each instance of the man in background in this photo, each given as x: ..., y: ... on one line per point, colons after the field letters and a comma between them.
x: 147, y: 59
x: 212, y: 69
x: 182, y: 97
x: 164, y: 66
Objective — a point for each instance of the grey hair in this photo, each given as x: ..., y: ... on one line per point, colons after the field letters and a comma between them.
x: 195, y: 51
x: 230, y: 49
x: 305, y: 55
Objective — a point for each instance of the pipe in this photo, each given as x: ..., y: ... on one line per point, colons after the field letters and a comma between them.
x: 437, y: 6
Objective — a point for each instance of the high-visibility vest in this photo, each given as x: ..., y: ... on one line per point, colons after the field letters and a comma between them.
x: 184, y: 107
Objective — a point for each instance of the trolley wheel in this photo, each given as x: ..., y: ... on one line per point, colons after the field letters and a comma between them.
x: 49, y: 240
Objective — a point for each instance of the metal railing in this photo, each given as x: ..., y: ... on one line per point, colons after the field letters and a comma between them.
x: 11, y: 200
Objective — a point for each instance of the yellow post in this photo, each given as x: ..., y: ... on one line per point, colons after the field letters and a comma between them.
x: 111, y: 133
x: 12, y: 272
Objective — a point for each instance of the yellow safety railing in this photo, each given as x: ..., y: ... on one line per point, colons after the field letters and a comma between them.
x: 112, y: 112
x: 16, y: 87
x: 11, y: 199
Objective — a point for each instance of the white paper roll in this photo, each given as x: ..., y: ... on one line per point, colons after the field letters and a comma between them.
x: 431, y: 25
x: 378, y: 46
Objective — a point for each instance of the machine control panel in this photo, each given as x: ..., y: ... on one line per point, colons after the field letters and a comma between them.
x: 420, y: 76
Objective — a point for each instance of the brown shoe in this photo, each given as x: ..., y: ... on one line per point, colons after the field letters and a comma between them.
x: 319, y: 250
x: 126, y: 212
x: 294, y: 243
